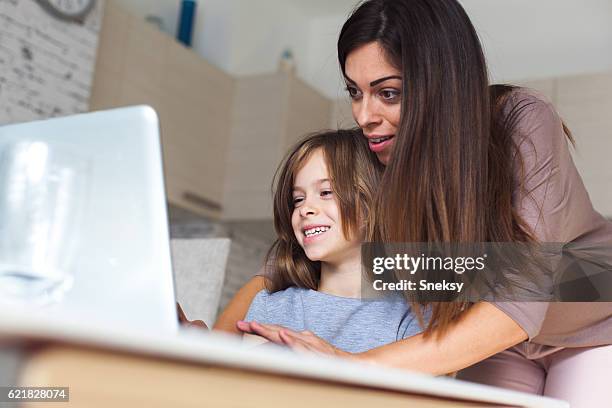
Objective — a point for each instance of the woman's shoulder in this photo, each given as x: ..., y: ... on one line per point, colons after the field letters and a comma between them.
x: 521, y: 94
x: 537, y: 127
x: 532, y: 108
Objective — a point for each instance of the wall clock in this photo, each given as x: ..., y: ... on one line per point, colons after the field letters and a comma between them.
x: 68, y: 10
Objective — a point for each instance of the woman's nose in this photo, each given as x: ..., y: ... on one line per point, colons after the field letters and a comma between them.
x: 365, y: 113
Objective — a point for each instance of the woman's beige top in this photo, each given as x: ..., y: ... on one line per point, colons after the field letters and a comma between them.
x: 559, y: 210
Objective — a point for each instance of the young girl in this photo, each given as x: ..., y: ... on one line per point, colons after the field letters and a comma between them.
x: 324, y: 193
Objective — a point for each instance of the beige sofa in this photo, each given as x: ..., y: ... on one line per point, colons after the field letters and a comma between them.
x: 199, y: 273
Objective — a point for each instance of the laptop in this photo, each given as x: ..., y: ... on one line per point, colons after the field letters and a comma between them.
x: 122, y: 273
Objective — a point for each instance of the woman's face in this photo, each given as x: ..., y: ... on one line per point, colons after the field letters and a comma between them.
x: 374, y: 86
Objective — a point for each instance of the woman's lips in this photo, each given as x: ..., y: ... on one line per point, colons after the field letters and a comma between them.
x: 380, y: 146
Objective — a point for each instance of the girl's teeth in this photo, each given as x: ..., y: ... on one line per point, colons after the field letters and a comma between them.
x: 315, y: 231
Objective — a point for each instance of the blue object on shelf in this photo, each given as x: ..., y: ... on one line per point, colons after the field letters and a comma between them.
x: 185, y: 27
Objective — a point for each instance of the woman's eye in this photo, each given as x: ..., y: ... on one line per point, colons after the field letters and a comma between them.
x: 390, y: 95
x: 297, y: 201
x: 352, y: 91
x: 326, y: 193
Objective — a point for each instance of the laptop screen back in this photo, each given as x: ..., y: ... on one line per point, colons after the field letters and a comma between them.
x: 122, y: 272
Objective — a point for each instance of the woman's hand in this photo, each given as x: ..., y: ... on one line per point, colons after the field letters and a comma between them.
x: 304, y: 341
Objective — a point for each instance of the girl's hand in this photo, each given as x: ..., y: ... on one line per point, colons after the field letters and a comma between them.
x: 184, y: 321
x: 304, y: 341
x: 267, y: 331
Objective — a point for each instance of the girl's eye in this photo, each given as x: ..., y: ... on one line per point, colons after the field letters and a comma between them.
x: 390, y: 95
x: 352, y: 91
x: 326, y: 193
x: 297, y: 201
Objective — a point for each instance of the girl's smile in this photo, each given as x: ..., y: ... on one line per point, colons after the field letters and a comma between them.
x: 314, y: 232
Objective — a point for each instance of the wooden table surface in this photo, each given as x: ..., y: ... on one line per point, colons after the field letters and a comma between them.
x: 104, y: 378
x: 118, y: 366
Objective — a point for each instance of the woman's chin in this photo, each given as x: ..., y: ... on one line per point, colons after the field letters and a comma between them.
x: 384, y: 157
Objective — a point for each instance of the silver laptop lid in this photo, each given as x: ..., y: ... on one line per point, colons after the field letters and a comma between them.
x: 115, y: 218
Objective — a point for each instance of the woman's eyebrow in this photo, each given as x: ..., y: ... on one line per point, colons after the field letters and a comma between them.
x: 375, y: 82
x: 383, y: 79
x: 349, y: 80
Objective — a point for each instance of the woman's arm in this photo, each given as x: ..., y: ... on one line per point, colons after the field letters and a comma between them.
x: 239, y: 305
x: 483, y: 330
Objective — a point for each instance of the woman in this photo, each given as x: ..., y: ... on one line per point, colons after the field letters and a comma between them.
x: 466, y: 162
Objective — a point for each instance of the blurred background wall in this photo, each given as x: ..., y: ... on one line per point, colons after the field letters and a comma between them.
x: 522, y: 38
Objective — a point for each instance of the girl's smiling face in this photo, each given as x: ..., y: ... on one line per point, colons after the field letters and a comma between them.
x: 375, y: 87
x: 316, y: 220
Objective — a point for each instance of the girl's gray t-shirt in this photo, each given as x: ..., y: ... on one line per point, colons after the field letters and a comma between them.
x: 352, y: 325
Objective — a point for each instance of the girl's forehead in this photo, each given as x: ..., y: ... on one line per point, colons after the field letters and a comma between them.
x: 313, y: 170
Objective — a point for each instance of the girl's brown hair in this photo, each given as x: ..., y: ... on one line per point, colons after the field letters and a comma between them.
x: 354, y: 172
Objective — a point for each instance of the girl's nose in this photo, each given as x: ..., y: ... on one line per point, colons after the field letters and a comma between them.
x: 307, y: 209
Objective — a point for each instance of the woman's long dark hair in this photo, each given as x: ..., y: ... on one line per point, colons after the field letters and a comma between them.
x: 452, y: 173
